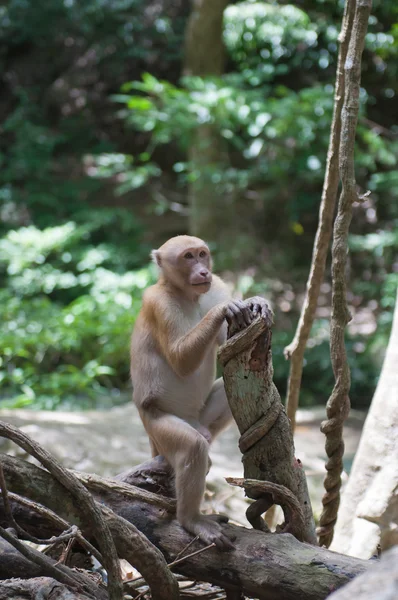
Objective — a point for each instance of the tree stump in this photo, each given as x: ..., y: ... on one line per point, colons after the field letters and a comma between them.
x: 266, y: 439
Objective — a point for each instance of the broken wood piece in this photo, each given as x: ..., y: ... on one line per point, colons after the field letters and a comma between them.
x: 266, y: 438
x: 294, y: 519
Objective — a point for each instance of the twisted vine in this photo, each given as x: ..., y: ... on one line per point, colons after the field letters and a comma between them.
x: 338, y: 405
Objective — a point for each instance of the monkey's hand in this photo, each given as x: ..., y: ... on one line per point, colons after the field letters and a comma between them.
x: 208, y: 528
x: 260, y: 307
x: 238, y: 314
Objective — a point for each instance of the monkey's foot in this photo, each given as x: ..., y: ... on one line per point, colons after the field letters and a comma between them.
x: 218, y: 518
x: 208, y: 529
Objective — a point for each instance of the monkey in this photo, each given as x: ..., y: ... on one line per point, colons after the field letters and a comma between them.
x: 183, y: 407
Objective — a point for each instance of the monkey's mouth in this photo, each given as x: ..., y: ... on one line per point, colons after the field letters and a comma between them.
x: 201, y: 283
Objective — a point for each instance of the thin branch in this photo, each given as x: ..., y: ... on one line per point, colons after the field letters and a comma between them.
x: 70, y: 532
x: 88, y: 508
x: 180, y: 560
x: 295, y: 350
x: 175, y: 562
x: 62, y: 574
x: 56, y: 520
x: 195, y: 539
x: 379, y: 128
x: 338, y: 405
x: 130, y: 542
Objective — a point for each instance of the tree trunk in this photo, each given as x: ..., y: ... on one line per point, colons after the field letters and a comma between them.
x: 263, y: 565
x: 368, y: 514
x: 266, y: 441
x: 205, y: 56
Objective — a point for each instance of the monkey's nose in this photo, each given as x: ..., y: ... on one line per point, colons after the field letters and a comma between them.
x: 204, y: 273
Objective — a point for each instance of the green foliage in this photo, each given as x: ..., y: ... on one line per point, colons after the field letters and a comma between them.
x: 267, y: 138
x: 318, y: 381
x: 67, y: 315
x: 72, y: 276
x: 267, y: 40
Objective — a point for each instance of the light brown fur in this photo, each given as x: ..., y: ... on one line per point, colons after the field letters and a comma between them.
x: 173, y: 367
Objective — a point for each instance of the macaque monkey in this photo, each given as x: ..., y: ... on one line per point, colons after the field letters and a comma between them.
x: 173, y: 366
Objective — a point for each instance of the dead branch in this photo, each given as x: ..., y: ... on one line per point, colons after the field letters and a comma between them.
x: 19, y: 560
x: 78, y: 583
x: 89, y: 510
x: 295, y: 350
x: 266, y: 438
x: 68, y: 533
x: 294, y: 519
x: 263, y: 565
x: 39, y: 587
x: 59, y: 524
x: 338, y: 405
x: 132, y: 544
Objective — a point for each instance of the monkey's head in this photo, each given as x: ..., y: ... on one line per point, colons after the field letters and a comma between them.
x: 185, y: 261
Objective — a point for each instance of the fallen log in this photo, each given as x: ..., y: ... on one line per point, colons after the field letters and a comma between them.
x: 125, y: 540
x: 40, y: 587
x: 264, y: 565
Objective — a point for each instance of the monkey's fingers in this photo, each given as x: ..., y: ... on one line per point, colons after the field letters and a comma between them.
x: 245, y: 311
x: 241, y: 313
x: 259, y: 306
x: 224, y: 543
x: 256, y: 310
x: 234, y: 319
x: 266, y: 313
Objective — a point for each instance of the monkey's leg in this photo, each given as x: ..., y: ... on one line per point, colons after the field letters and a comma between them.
x: 216, y: 414
x: 187, y: 451
x: 154, y: 450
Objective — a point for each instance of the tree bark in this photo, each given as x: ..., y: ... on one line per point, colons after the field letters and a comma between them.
x: 43, y: 588
x: 125, y: 541
x: 205, y: 56
x: 266, y: 438
x: 263, y: 565
x: 338, y: 405
x: 368, y: 515
x: 295, y: 351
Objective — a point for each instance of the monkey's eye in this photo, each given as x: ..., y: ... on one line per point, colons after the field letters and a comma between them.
x: 188, y: 255
x: 202, y: 254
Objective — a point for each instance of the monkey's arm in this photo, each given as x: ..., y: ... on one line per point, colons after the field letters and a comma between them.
x: 186, y: 352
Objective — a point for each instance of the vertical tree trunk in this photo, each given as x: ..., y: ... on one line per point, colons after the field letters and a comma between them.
x: 266, y: 438
x: 205, y: 56
x: 368, y: 514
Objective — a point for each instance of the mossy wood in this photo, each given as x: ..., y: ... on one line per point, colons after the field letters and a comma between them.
x: 266, y: 438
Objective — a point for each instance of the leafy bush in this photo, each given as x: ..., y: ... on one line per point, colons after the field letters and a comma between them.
x: 67, y: 315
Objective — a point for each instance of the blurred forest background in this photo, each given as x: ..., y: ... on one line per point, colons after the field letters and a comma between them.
x: 112, y: 141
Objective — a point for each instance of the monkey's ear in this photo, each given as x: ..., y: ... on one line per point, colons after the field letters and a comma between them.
x: 155, y: 255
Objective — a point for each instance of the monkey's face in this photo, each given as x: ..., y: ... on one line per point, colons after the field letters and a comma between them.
x: 196, y: 265
x: 186, y: 262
